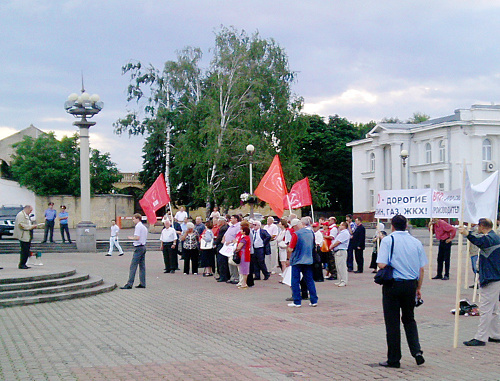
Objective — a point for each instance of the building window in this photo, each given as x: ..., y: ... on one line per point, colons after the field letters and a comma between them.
x: 428, y: 153
x: 372, y: 162
x: 486, y: 150
x: 426, y: 186
x: 442, y: 151
x: 441, y: 187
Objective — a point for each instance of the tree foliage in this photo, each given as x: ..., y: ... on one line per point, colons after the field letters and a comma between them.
x: 48, y: 166
x: 328, y: 161
x: 243, y: 97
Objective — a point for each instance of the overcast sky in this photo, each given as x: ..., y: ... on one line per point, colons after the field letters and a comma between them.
x: 362, y: 60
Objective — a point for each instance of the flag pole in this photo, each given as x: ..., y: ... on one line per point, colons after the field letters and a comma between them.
x: 312, y: 213
x: 289, y: 206
x: 466, y: 270
x: 431, y: 228
x: 459, y: 261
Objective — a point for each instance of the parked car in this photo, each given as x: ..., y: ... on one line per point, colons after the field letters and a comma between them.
x: 8, y: 215
x: 256, y: 216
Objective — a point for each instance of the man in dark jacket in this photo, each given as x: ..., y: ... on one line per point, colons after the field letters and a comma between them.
x: 489, y: 280
x: 358, y: 244
x: 261, y: 247
x: 222, y: 264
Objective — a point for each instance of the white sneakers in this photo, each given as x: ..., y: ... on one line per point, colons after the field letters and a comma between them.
x: 294, y: 305
x: 342, y: 284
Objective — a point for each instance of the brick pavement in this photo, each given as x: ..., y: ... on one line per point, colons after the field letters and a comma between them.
x: 192, y: 328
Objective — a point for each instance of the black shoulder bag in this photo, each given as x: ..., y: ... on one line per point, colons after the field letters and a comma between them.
x: 384, y: 276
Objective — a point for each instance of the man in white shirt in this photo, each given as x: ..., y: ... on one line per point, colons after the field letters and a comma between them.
x: 272, y: 260
x: 261, y: 249
x: 113, y: 240
x: 168, y: 240
x: 332, y: 221
x: 339, y: 247
x: 181, y: 215
x: 139, y: 256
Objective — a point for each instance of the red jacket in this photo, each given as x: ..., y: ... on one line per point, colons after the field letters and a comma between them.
x: 444, y: 230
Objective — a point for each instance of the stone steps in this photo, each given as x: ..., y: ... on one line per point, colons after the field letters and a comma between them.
x: 12, y: 247
x: 49, y: 287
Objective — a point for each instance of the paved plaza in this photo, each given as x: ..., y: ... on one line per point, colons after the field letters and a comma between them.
x: 193, y: 328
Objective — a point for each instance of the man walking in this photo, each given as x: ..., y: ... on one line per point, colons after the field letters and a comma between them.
x: 114, y: 240
x: 358, y: 244
x: 489, y: 281
x: 22, y: 230
x: 406, y: 255
x: 50, y: 218
x: 300, y: 251
x: 445, y: 234
x: 139, y: 256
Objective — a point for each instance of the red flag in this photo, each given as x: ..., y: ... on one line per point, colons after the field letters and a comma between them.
x: 299, y: 196
x: 272, y: 187
x: 155, y: 198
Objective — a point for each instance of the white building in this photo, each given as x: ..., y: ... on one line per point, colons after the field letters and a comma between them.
x: 436, y: 149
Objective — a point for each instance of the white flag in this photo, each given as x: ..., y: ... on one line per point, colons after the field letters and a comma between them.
x: 480, y: 201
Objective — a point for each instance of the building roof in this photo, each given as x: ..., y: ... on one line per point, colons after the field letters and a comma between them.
x: 6, y: 150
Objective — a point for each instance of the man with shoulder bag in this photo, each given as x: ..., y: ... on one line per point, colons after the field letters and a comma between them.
x: 405, y: 254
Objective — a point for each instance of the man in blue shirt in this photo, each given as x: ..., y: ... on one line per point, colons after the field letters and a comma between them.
x: 50, y: 218
x: 63, y: 223
x: 407, y: 257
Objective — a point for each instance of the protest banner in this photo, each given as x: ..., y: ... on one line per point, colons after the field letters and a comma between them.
x: 446, y: 204
x: 411, y: 203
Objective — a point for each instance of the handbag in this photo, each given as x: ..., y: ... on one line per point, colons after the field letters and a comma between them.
x: 384, y: 276
x: 236, y: 258
x: 204, y: 245
x: 325, y: 248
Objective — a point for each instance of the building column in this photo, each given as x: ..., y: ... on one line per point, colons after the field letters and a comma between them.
x: 396, y: 166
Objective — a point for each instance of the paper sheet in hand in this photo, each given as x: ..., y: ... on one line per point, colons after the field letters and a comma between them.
x: 287, y: 276
x: 228, y: 250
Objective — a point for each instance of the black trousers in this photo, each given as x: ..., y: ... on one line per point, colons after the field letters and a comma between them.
x: 444, y: 255
x: 350, y: 257
x: 49, y: 228
x: 360, y: 260
x: 64, y: 228
x: 190, y: 255
x: 332, y: 267
x: 25, y: 253
x: 259, y: 263
x: 318, y: 267
x: 169, y: 256
x: 396, y: 298
x: 222, y: 266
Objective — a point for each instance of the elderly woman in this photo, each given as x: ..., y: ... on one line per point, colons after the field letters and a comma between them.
x: 190, y: 241
x: 207, y: 251
x: 243, y: 249
x: 283, y: 240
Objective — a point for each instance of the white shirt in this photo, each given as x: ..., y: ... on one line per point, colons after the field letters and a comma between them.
x: 181, y: 216
x: 142, y: 232
x: 114, y: 230
x: 343, y: 237
x: 334, y: 231
x: 168, y: 235
x: 318, y: 238
x: 272, y: 229
x: 257, y: 240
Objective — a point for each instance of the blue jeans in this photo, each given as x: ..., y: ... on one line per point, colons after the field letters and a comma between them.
x: 473, y: 261
x: 307, y: 273
x: 138, y: 259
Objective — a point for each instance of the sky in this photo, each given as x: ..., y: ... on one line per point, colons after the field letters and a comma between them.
x: 362, y: 60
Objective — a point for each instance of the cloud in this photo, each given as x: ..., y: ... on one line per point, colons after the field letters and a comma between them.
x: 6, y: 131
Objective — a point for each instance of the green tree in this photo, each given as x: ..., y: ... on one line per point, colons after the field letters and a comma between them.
x: 328, y: 161
x: 48, y: 166
x: 418, y: 117
x: 244, y: 97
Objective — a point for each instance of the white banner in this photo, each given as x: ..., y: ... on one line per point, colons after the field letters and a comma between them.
x: 446, y: 204
x: 411, y: 203
x: 481, y: 200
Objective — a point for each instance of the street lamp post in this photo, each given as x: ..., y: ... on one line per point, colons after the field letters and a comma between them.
x: 250, y: 150
x: 84, y: 106
x: 404, y: 156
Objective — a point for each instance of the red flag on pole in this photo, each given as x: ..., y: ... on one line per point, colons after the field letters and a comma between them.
x: 272, y: 187
x: 299, y: 196
x: 155, y: 198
